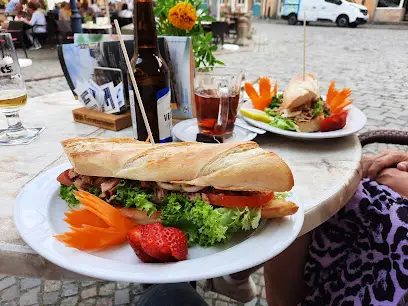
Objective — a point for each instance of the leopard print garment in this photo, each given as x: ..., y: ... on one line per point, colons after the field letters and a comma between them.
x: 360, y: 256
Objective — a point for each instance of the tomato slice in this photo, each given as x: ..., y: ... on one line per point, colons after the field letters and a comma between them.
x: 227, y: 199
x: 334, y: 122
x: 64, y: 179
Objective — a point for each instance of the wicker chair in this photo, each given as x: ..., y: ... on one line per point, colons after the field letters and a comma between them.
x: 384, y: 136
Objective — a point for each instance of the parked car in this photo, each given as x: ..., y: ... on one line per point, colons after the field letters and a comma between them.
x: 344, y: 13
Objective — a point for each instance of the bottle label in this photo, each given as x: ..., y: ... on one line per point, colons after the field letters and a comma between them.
x: 164, y: 117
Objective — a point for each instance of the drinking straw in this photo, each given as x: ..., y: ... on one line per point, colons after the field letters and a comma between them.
x: 132, y: 77
x: 304, y: 45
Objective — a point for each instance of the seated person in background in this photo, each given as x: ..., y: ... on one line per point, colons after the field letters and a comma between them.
x: 95, y: 8
x: 65, y: 12
x: 85, y: 10
x: 18, y: 13
x: 42, y: 7
x: 38, y: 24
x: 125, y: 12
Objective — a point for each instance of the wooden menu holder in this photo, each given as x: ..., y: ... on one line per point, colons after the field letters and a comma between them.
x: 102, y: 120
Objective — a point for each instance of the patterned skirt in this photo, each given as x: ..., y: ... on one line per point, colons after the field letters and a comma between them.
x: 360, y: 256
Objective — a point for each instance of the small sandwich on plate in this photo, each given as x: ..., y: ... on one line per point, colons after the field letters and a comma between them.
x: 302, y: 103
x: 208, y: 191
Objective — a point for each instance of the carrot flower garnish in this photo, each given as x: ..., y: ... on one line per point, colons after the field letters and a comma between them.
x: 95, y: 226
x: 264, y: 98
x: 338, y: 100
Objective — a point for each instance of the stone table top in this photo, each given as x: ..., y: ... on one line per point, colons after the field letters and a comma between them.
x: 326, y: 175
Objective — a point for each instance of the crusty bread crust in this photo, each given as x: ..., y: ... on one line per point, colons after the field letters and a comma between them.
x: 228, y: 166
x: 300, y: 91
x: 312, y: 125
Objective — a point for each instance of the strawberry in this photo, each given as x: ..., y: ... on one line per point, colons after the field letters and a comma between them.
x: 134, y: 236
x: 154, y: 242
x: 177, y: 242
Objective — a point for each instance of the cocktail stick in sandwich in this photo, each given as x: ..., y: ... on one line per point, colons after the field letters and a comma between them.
x: 302, y: 103
x: 201, y: 188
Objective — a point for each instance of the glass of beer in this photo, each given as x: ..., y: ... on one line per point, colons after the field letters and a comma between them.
x: 217, y: 92
x: 13, y: 95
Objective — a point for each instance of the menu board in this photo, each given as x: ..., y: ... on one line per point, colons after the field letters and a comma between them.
x: 89, y: 51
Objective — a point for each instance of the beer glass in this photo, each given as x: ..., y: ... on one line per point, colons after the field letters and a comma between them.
x: 217, y: 92
x: 13, y: 95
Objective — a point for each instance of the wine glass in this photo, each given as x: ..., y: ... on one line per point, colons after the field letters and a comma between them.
x: 13, y: 95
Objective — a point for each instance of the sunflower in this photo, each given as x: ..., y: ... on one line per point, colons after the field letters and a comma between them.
x: 183, y: 16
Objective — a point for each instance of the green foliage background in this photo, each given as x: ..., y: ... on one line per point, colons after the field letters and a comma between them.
x: 202, y: 42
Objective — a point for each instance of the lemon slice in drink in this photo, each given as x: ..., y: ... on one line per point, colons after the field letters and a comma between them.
x: 256, y: 114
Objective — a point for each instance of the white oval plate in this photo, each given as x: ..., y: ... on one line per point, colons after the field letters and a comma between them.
x: 187, y: 130
x: 38, y: 215
x: 356, y: 120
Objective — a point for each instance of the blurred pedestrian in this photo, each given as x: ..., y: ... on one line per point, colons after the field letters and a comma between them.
x: 38, y: 24
x: 65, y: 12
x: 125, y: 12
x: 85, y: 10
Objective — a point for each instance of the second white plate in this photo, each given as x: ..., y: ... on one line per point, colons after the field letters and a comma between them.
x: 187, y: 130
x: 356, y: 120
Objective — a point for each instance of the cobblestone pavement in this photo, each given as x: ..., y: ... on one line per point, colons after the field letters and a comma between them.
x: 370, y: 60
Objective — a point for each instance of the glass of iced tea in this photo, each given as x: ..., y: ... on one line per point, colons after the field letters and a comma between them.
x: 13, y: 95
x: 217, y: 92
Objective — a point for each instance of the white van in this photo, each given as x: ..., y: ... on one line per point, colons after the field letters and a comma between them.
x: 343, y: 12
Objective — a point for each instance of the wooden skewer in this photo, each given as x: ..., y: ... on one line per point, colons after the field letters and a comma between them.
x: 304, y: 46
x: 132, y: 77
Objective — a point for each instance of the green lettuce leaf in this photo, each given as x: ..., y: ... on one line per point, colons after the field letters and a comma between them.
x: 284, y: 123
x: 204, y: 224
x: 66, y: 193
x: 283, y: 195
x: 318, y: 107
x: 131, y: 195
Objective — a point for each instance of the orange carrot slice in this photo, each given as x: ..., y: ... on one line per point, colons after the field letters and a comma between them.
x: 339, y: 108
x: 265, y: 88
x: 112, y: 216
x: 78, y: 218
x: 331, y: 93
x: 340, y: 98
x: 274, y: 90
x: 252, y: 94
x: 90, y: 238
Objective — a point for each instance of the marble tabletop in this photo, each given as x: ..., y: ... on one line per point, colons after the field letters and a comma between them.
x: 326, y: 173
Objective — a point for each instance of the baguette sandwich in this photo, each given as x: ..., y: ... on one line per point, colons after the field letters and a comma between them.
x: 207, y: 190
x: 301, y: 103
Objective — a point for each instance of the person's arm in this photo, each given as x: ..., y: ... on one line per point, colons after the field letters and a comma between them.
x: 34, y: 19
x: 395, y: 179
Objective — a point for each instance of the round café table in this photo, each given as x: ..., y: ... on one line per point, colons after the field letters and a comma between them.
x: 326, y: 175
x: 96, y: 27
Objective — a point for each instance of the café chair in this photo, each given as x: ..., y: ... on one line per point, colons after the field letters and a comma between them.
x: 64, y: 32
x: 287, y: 281
x: 40, y: 37
x: 16, y: 29
x: 219, y: 30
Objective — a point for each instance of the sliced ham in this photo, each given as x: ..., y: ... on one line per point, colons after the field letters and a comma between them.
x: 83, y: 182
x: 108, y: 188
x: 139, y: 216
